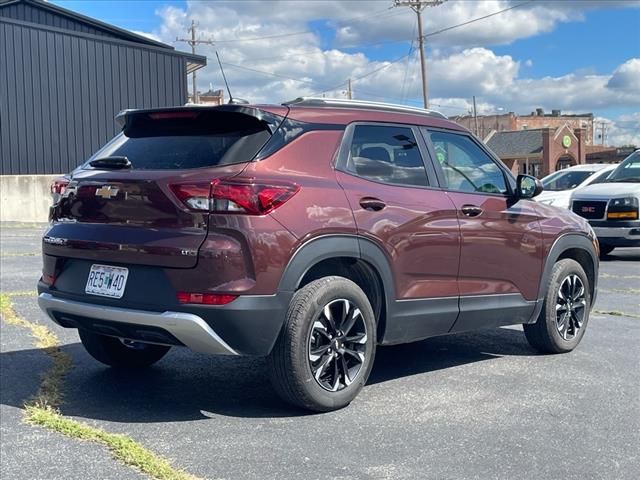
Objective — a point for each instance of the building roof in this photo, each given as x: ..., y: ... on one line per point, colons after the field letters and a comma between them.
x: 46, y: 15
x: 105, y: 28
x: 516, y: 143
x: 211, y: 93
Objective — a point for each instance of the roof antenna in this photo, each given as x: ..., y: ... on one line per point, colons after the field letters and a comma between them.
x: 231, y: 99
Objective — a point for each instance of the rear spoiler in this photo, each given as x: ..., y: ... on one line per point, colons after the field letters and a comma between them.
x: 131, y: 119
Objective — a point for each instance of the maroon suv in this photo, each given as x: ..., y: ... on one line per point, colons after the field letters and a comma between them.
x: 309, y: 232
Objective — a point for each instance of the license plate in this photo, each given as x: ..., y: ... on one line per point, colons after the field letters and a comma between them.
x: 106, y: 281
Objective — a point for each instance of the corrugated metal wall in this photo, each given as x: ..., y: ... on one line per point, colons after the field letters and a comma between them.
x: 59, y: 93
x: 29, y: 13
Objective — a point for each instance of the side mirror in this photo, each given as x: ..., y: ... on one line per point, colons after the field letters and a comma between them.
x: 528, y: 186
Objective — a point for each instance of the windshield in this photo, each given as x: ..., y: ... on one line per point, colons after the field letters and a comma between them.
x: 600, y: 177
x: 565, y: 180
x: 628, y: 170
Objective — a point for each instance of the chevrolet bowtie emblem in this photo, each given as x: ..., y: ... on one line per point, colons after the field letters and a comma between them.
x: 106, y: 191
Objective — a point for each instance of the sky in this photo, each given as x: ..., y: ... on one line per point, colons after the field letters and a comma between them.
x: 574, y: 55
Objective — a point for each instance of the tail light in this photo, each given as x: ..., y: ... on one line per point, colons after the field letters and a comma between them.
x: 59, y: 185
x: 205, y: 298
x: 246, y: 197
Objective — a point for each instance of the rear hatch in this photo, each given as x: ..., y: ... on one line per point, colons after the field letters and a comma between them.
x: 125, y: 205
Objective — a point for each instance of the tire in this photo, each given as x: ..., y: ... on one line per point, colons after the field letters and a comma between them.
x: 550, y: 334
x: 113, y: 352
x: 304, y: 379
x: 605, y: 249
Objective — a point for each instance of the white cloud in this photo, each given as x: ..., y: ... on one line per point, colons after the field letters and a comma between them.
x: 460, y: 65
x: 148, y: 35
x: 623, y: 130
x: 626, y: 77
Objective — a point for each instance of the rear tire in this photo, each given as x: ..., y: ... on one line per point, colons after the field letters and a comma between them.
x: 605, y: 250
x: 565, y: 312
x: 325, y: 352
x: 115, y: 353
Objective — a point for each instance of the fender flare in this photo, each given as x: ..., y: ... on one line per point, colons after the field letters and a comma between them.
x: 562, y: 244
x: 325, y: 247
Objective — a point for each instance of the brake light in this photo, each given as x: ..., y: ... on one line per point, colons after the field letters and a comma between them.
x: 172, y: 115
x: 59, y: 185
x: 240, y: 196
x: 48, y: 279
x: 205, y: 298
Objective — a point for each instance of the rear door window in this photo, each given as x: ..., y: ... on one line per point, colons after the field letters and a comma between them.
x: 209, y: 139
x: 387, y: 154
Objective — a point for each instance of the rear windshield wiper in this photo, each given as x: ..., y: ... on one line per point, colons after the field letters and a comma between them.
x: 112, y: 163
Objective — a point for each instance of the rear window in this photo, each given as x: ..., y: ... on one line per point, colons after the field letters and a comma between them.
x: 208, y: 139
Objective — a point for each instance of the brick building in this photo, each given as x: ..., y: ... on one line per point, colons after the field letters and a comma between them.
x: 539, y: 151
x: 536, y: 120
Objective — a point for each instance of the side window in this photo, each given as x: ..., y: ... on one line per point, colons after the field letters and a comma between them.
x: 386, y: 154
x: 465, y: 166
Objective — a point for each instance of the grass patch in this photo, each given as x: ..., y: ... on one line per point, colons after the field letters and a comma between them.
x: 122, y: 447
x: 632, y: 291
x: 21, y: 293
x: 616, y: 313
x: 42, y: 409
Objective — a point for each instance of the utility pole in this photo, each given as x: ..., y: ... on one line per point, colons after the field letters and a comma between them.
x: 193, y: 42
x: 349, y: 92
x: 417, y: 6
x: 475, y: 115
x: 602, y: 126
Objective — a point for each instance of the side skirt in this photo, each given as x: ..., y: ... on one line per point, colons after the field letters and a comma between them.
x: 486, y: 311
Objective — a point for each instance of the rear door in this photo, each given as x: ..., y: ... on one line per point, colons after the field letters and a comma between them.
x: 501, y: 240
x: 390, y: 190
x: 128, y: 203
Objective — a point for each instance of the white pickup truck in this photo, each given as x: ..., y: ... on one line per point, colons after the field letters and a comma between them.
x: 612, y: 207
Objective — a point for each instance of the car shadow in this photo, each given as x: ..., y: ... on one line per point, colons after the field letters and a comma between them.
x: 185, y: 386
x: 622, y: 255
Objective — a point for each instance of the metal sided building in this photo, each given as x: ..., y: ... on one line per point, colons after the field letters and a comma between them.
x: 64, y: 77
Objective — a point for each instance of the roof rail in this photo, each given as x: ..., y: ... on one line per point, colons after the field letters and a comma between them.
x: 346, y: 103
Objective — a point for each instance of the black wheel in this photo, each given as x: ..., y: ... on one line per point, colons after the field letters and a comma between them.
x: 325, y: 351
x: 121, y: 353
x: 605, y: 249
x: 565, y: 313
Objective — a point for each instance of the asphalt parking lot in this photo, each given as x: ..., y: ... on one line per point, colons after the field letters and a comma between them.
x: 481, y: 405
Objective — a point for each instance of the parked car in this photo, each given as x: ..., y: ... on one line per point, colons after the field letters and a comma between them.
x: 310, y: 233
x: 612, y: 207
x: 558, y: 186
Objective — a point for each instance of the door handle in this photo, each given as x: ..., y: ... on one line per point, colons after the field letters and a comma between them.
x: 372, y: 204
x: 471, y: 210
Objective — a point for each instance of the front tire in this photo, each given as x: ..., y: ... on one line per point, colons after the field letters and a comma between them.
x: 565, y: 312
x: 121, y: 353
x: 325, y: 352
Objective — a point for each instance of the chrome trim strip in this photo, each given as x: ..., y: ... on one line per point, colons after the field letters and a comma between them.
x: 190, y: 329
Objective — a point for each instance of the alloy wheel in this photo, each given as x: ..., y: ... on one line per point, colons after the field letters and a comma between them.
x: 337, y: 345
x: 571, y: 305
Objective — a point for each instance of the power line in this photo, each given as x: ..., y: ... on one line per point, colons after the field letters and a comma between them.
x: 473, y: 20
x: 310, y: 82
x: 304, y: 32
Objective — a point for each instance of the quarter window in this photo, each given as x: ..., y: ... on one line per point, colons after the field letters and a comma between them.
x: 387, y: 154
x: 466, y: 167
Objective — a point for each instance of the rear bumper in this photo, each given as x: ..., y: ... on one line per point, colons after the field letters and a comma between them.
x: 189, y: 329
x: 249, y: 325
